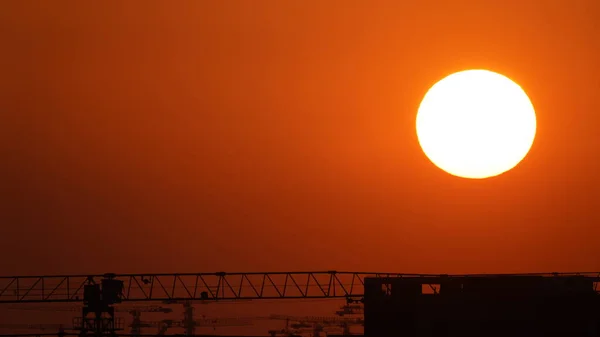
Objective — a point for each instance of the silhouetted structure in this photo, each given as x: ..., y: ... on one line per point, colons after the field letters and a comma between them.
x: 486, y: 306
x: 99, y: 293
x: 394, y: 304
x: 98, y: 312
x: 188, y: 286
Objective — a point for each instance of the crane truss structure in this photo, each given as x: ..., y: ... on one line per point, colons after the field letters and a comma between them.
x: 99, y: 293
x: 191, y: 286
x: 207, y: 286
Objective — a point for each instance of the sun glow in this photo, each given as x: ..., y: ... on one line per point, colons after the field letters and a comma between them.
x: 476, y: 124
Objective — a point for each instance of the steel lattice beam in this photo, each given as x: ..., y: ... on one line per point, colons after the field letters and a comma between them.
x: 203, y: 286
x: 198, y: 286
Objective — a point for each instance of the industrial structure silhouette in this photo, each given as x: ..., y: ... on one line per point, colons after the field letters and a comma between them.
x: 387, y: 304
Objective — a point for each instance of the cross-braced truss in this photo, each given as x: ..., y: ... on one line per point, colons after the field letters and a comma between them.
x: 195, y: 287
x: 205, y: 286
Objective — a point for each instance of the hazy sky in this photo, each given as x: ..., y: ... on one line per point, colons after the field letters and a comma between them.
x: 279, y: 135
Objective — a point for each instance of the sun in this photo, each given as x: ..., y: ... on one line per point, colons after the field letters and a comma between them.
x: 476, y: 124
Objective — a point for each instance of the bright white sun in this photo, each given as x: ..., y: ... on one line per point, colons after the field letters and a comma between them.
x: 476, y: 124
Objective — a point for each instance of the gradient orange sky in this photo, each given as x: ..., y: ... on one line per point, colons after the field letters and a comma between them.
x: 279, y: 135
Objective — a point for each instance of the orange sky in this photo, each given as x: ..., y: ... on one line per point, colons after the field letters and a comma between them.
x: 279, y: 135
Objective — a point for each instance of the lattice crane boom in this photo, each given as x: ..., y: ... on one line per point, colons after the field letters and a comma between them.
x: 190, y: 287
x: 202, y: 286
